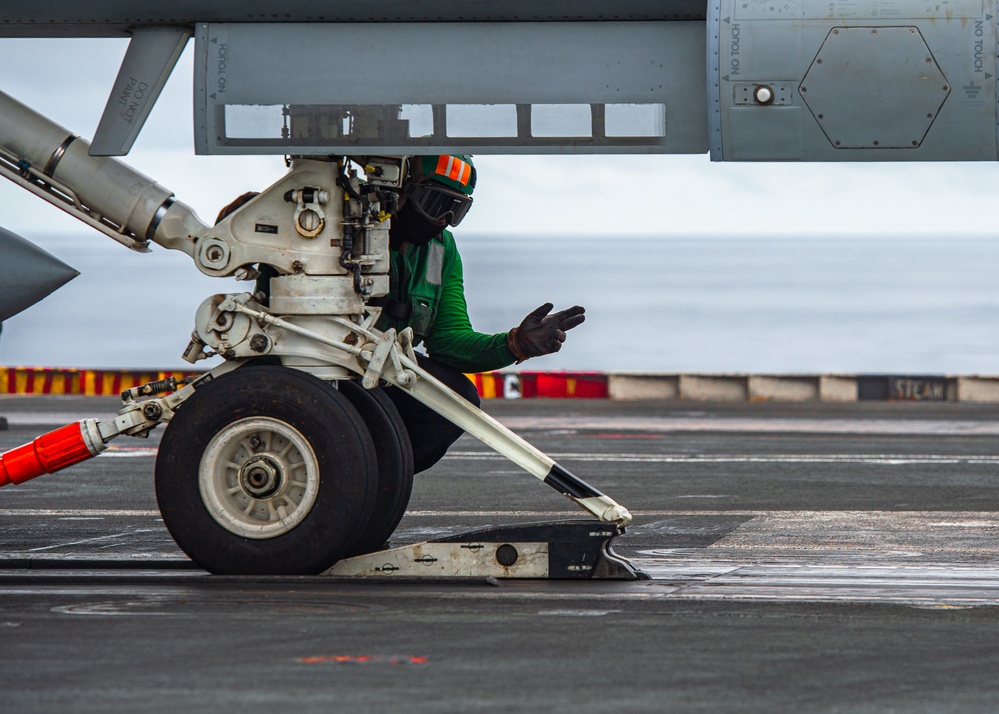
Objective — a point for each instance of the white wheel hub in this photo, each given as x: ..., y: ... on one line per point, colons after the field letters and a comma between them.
x: 259, y: 477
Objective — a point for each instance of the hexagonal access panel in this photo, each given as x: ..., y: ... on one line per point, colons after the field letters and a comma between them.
x: 874, y: 87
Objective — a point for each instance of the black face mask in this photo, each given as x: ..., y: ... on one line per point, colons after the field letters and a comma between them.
x: 408, y: 226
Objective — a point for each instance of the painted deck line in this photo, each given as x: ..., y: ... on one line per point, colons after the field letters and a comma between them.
x: 935, y: 587
x: 990, y: 518
x: 763, y: 425
x: 692, y: 459
x: 653, y: 424
x: 876, y: 459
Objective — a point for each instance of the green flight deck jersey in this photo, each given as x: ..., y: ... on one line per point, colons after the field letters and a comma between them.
x: 429, y: 280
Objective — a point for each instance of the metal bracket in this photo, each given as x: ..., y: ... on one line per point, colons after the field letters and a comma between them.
x: 383, y: 351
x: 151, y: 56
x: 563, y: 550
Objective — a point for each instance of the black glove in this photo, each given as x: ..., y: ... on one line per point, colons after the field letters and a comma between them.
x: 541, y: 333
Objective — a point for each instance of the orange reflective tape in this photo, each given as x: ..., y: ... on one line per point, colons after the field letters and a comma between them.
x: 454, y: 169
x: 443, y: 165
x: 458, y: 171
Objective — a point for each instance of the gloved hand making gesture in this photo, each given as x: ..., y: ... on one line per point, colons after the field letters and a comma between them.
x: 541, y: 333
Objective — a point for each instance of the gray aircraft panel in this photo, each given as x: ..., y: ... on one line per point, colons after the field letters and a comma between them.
x: 883, y: 80
x: 443, y: 87
x: 115, y: 18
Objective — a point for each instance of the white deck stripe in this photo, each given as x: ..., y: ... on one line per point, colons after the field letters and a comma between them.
x: 883, y: 459
x: 804, y: 425
x: 871, y: 459
x: 934, y: 587
x: 71, y: 512
x: 768, y: 425
x: 982, y: 517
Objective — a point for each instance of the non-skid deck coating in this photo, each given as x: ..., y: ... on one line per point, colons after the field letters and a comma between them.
x: 820, y: 558
x: 735, y: 487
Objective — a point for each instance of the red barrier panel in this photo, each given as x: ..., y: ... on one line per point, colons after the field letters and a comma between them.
x: 550, y: 385
x: 490, y: 385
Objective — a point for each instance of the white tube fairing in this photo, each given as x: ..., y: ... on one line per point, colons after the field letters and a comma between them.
x: 107, y: 189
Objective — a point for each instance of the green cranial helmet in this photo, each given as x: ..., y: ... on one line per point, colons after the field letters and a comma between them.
x: 444, y: 195
x: 455, y: 172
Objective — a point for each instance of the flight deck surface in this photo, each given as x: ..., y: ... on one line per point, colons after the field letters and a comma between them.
x: 804, y: 557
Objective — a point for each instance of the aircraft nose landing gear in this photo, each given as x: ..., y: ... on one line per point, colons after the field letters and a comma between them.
x: 267, y: 469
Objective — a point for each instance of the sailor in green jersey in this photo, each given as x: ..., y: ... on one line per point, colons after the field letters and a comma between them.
x: 427, y: 293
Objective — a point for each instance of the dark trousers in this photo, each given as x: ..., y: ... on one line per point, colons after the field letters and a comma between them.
x: 430, y: 433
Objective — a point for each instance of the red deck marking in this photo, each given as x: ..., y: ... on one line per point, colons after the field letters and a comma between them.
x: 363, y: 659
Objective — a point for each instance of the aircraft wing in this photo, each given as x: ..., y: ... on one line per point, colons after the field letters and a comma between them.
x: 746, y: 80
x: 117, y: 18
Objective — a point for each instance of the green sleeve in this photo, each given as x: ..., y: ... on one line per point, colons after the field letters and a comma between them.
x: 452, y: 339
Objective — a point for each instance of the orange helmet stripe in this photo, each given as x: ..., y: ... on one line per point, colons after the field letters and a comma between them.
x: 443, y: 164
x: 454, y: 168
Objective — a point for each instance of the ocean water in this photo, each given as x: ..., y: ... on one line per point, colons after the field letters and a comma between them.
x: 868, y: 305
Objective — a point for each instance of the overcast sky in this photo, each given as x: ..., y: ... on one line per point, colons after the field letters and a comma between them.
x: 615, y: 197
x: 69, y: 80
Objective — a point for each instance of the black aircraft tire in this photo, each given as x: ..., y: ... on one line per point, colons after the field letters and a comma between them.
x: 395, y: 464
x: 266, y: 470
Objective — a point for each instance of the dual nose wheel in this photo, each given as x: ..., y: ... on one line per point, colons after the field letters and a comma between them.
x: 271, y: 470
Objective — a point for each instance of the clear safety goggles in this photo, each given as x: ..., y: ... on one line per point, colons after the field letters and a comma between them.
x: 437, y: 203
